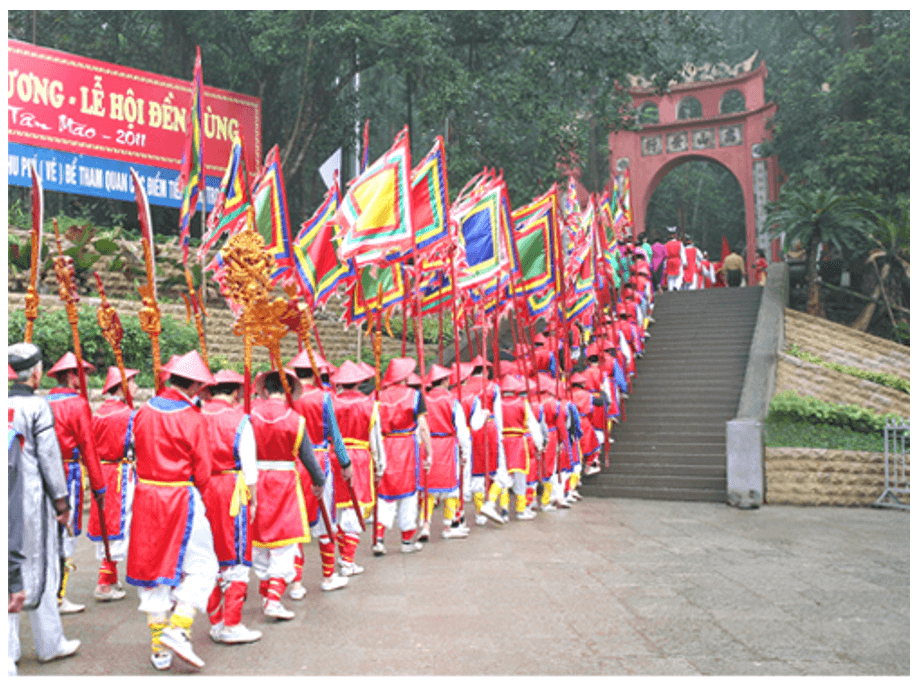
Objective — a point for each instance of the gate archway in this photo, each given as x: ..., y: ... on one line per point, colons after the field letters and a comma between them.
x: 721, y: 116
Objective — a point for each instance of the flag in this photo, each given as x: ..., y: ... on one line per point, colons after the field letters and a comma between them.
x: 146, y: 222
x: 191, y: 179
x: 535, y: 230
x: 625, y: 199
x: 483, y: 226
x: 391, y: 280
x: 375, y: 216
x: 315, y: 252
x: 272, y: 217
x: 365, y: 161
x: 429, y: 198
x: 229, y: 215
x: 38, y: 207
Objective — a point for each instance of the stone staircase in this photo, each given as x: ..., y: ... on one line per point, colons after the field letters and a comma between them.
x: 672, y: 445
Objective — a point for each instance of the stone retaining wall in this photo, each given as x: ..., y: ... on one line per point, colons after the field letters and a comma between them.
x: 814, y: 476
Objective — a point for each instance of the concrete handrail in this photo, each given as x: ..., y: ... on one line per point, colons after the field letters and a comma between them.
x: 745, y: 476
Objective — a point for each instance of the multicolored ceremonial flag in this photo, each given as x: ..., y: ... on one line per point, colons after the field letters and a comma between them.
x: 483, y: 227
x: 230, y: 214
x: 535, y: 230
x: 391, y: 280
x: 191, y: 179
x: 429, y: 198
x: 625, y: 199
x: 376, y: 215
x: 315, y: 252
x: 272, y: 216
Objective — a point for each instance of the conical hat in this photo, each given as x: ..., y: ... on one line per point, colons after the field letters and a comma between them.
x: 227, y: 376
x: 413, y: 380
x: 295, y: 386
x: 191, y: 366
x: 512, y: 384
x: 114, y: 377
x: 398, y: 370
x: 12, y: 373
x: 464, y: 368
x: 578, y: 378
x: 351, y: 373
x: 68, y: 362
x: 436, y: 372
x: 303, y: 361
x: 547, y: 383
x: 481, y: 361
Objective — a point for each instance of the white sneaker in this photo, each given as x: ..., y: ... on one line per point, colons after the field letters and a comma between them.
x: 215, y: 631
x: 491, y: 512
x: 591, y: 470
x: 161, y: 660
x: 178, y: 641
x: 378, y: 549
x: 334, y: 582
x: 576, y: 495
x: 570, y: 500
x: 297, y: 591
x: 238, y: 634
x: 348, y: 569
x: 550, y: 506
x: 423, y: 535
x: 109, y: 593
x: 67, y: 647
x: 458, y: 533
x: 276, y: 610
x: 526, y: 515
x: 66, y: 607
x: 480, y: 520
x: 410, y: 547
x: 562, y: 503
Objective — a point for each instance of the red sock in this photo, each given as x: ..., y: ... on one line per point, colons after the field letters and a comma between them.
x: 327, y: 555
x: 348, y: 544
x: 407, y: 535
x: 215, y: 605
x: 264, y: 588
x: 379, y: 532
x: 275, y: 589
x: 298, y: 562
x: 108, y: 572
x: 235, y: 595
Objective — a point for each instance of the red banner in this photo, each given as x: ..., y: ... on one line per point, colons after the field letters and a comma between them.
x: 61, y: 101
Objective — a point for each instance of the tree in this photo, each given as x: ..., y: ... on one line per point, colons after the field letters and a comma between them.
x: 816, y: 217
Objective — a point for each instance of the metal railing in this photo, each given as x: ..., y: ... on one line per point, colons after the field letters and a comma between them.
x: 896, y: 464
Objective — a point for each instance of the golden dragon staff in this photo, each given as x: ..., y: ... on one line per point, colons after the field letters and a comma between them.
x: 31, y: 297
x: 149, y: 314
x: 113, y: 332
x: 63, y: 270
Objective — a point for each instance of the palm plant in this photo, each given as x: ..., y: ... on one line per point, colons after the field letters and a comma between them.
x: 813, y: 217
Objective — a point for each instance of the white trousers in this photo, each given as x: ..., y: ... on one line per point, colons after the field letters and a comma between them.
x: 405, y: 509
x: 274, y: 562
x: 674, y: 283
x: 348, y: 523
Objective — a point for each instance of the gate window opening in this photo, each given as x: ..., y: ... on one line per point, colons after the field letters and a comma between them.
x: 732, y: 102
x: 688, y: 108
x: 648, y: 113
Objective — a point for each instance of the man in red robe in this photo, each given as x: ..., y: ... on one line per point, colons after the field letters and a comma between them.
x: 171, y: 558
x: 73, y: 426
x: 112, y: 427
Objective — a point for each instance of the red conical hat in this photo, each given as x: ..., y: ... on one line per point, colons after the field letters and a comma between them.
x: 512, y: 384
x: 398, y: 370
x: 164, y: 370
x: 68, y: 362
x: 508, y: 367
x: 11, y: 372
x: 436, y: 373
x: 481, y: 361
x: 351, y: 373
x: 302, y: 361
x: 191, y: 366
x: 547, y: 383
x: 114, y: 377
x: 591, y: 350
x: 295, y: 386
x: 227, y: 376
x: 466, y: 368
x: 578, y: 378
x: 414, y: 380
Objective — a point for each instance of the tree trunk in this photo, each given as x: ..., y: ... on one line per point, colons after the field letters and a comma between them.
x: 864, y: 320
x: 815, y: 305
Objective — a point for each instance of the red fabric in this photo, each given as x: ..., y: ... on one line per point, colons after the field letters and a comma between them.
x: 281, y: 517
x: 398, y: 412
x: 583, y: 401
x: 515, y: 425
x: 690, y: 267
x: 353, y: 411
x: 171, y: 441
x: 483, y: 441
x: 672, y: 257
x: 109, y: 428
x: 233, y: 598
x: 73, y: 426
x: 443, y: 472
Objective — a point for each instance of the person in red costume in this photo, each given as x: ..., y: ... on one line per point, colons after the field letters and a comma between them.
x: 674, y: 261
x: 73, y: 426
x: 360, y: 429
x: 281, y: 521
x: 231, y: 500
x: 478, y: 397
x: 170, y: 558
x: 451, y: 442
x: 113, y: 429
x: 317, y: 406
x: 691, y: 265
x: 404, y: 428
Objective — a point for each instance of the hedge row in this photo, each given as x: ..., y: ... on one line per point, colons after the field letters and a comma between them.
x: 883, y: 378
x: 790, y: 405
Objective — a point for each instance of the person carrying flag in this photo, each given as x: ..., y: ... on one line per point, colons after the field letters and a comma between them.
x: 480, y: 403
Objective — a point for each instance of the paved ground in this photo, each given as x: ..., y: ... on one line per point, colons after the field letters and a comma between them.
x: 611, y: 587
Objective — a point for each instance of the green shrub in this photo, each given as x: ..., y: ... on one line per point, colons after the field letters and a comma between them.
x: 787, y: 432
x: 53, y: 335
x: 791, y: 406
x: 883, y: 378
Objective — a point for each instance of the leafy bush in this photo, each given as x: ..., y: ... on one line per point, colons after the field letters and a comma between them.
x: 883, y: 378
x: 787, y: 432
x: 52, y: 334
x: 791, y: 406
